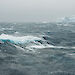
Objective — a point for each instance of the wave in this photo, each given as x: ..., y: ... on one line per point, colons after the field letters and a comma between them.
x: 29, y: 42
x: 18, y: 39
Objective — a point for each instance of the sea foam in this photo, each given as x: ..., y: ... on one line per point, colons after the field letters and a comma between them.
x: 18, y: 39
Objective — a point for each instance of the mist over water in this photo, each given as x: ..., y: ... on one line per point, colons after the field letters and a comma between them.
x: 35, y: 10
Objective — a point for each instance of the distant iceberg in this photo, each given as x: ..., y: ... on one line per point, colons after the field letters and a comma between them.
x: 67, y: 19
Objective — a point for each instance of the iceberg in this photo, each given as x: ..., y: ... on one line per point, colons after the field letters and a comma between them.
x: 67, y: 20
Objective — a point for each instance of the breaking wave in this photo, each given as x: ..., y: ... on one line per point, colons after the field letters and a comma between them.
x: 18, y: 39
x: 29, y: 42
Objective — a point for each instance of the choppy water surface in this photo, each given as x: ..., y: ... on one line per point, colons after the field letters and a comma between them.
x: 37, y: 49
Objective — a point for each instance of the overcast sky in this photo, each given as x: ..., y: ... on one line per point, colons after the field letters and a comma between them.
x: 35, y: 10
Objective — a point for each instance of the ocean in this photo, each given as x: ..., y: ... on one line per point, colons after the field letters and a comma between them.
x: 37, y: 48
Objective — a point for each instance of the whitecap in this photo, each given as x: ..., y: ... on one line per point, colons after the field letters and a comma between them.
x: 18, y: 39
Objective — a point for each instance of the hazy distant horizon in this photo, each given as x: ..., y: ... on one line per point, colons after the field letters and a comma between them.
x: 35, y: 10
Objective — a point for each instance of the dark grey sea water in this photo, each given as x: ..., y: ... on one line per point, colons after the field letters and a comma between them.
x: 37, y: 48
